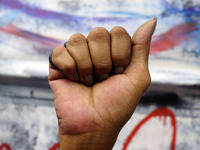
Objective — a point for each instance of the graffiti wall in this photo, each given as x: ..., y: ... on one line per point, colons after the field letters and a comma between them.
x: 160, y: 122
x: 30, y: 30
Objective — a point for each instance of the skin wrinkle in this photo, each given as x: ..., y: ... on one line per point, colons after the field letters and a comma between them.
x: 98, y: 113
x: 91, y: 107
x: 72, y: 129
x: 117, y: 112
x: 131, y: 81
x: 129, y: 94
x: 128, y: 105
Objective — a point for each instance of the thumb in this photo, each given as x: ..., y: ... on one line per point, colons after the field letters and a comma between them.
x: 137, y: 70
x: 141, y: 42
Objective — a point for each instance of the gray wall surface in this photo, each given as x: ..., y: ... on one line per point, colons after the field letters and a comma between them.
x: 162, y: 121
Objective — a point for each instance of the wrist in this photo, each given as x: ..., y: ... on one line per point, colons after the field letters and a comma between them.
x: 88, y: 141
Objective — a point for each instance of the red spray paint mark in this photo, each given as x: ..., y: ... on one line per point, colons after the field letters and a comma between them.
x: 5, y: 146
x: 55, y: 146
x: 52, y: 42
x: 159, y: 112
x: 162, y: 42
x: 171, y: 38
x: 166, y: 43
x: 179, y: 30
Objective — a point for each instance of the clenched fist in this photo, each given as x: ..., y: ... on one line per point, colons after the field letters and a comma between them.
x: 97, y: 83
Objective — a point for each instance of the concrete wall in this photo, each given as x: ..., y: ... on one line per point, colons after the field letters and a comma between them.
x: 161, y: 121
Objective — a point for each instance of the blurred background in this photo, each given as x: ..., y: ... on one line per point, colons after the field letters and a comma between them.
x: 167, y: 117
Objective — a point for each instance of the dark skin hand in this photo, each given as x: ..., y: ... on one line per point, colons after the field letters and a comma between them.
x: 98, y: 83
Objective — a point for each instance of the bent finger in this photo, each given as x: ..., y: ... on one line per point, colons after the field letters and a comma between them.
x: 99, y: 46
x: 78, y: 48
x: 120, y: 49
x: 64, y: 62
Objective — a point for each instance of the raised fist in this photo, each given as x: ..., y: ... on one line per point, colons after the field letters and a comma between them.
x: 97, y: 83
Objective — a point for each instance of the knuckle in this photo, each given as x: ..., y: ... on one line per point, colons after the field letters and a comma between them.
x: 58, y: 51
x: 118, y: 31
x: 99, y: 32
x: 122, y: 57
x: 85, y: 69
x: 76, y: 39
x: 119, y: 57
x: 103, y: 67
x: 139, y: 47
x: 69, y: 68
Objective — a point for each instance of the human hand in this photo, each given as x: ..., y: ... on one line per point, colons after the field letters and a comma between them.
x: 91, y: 105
